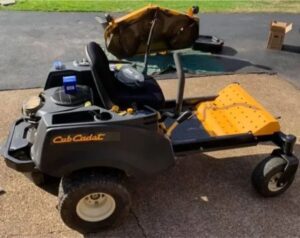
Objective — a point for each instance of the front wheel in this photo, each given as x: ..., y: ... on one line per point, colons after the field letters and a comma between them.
x: 265, y: 177
x: 90, y: 202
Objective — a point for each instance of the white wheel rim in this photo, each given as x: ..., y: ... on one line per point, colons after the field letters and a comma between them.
x: 273, y: 185
x: 95, y: 207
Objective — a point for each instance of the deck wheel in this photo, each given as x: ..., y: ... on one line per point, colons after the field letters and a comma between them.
x: 265, y: 177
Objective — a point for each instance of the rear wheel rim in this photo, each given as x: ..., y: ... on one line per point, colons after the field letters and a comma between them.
x: 96, y: 207
x: 273, y: 185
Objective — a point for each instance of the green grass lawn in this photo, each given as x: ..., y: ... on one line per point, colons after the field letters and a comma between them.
x: 126, y: 5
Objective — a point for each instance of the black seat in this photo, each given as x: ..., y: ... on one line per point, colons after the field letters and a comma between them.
x: 112, y: 92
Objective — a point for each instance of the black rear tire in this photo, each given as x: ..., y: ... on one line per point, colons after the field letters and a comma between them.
x: 79, y: 187
x: 266, y: 174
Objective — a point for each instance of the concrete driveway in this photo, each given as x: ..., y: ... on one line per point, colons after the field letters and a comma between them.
x: 204, y: 195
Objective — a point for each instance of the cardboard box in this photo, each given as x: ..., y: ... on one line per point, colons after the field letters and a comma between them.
x: 277, y: 33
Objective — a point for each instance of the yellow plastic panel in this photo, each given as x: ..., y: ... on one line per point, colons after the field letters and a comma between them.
x: 234, y: 111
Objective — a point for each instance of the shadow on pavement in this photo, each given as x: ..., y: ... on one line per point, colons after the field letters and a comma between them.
x: 198, y: 63
x: 204, y: 195
x: 51, y: 186
x: 228, y: 51
x: 291, y: 48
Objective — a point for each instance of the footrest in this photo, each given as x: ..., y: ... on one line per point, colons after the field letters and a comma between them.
x: 234, y: 111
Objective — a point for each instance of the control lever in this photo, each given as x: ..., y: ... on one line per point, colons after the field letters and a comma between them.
x: 183, y: 117
x: 181, y: 83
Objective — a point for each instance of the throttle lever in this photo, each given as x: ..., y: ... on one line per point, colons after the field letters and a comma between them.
x: 183, y: 117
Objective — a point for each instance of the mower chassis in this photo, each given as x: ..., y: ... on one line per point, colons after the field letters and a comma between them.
x: 17, y: 143
x: 284, y: 142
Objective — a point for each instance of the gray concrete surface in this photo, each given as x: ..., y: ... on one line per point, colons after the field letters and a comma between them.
x: 203, y: 195
x: 31, y: 41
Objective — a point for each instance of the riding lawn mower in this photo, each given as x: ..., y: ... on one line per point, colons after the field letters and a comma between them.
x: 94, y: 125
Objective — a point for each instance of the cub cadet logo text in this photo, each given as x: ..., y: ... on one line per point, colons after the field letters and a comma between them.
x: 79, y: 138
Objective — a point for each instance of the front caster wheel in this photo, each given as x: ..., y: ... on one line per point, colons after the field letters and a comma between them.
x: 90, y: 202
x: 265, y: 177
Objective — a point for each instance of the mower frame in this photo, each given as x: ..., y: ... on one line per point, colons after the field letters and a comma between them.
x: 143, y: 129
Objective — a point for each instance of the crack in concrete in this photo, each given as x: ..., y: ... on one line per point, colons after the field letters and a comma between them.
x: 139, y: 223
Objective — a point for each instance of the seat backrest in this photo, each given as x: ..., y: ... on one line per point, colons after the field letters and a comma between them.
x: 103, y: 77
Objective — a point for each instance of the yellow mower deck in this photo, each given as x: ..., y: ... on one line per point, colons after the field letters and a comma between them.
x: 128, y: 35
x: 234, y: 111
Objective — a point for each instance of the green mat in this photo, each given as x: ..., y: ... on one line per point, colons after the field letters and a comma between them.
x: 193, y: 62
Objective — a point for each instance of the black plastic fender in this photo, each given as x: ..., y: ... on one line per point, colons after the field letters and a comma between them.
x: 59, y: 151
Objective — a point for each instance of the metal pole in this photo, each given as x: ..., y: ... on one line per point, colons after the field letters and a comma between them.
x: 181, y: 83
x: 149, y: 44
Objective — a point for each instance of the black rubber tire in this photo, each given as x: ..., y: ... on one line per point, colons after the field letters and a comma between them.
x: 264, y: 171
x: 77, y: 186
